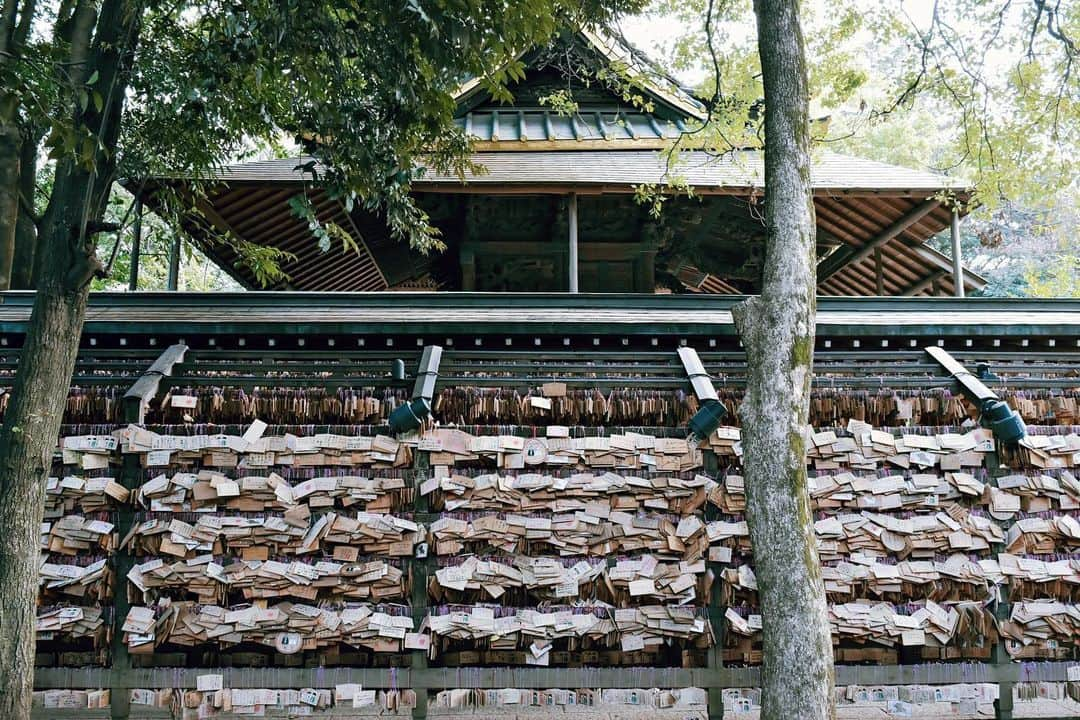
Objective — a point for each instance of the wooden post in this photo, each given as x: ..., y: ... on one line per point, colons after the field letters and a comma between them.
x: 573, y: 264
x: 468, y: 268
x: 135, y: 399
x: 957, y: 258
x: 122, y: 562
x: 136, y: 243
x: 715, y: 695
x: 999, y: 656
x: 420, y: 569
x: 174, y: 263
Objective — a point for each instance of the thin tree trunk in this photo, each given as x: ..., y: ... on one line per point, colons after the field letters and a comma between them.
x: 777, y: 330
x: 10, y: 175
x: 9, y: 11
x: 26, y: 237
x: 14, y: 31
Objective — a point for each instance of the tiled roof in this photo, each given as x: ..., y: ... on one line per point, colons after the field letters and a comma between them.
x: 742, y: 169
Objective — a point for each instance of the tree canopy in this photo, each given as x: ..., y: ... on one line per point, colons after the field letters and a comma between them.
x: 365, y: 88
x: 984, y: 90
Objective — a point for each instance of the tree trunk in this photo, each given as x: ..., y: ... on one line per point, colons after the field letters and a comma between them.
x: 27, y: 439
x: 32, y: 421
x: 10, y: 175
x: 26, y: 237
x: 777, y: 330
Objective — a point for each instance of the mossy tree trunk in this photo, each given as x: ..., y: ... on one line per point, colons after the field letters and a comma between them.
x: 777, y: 330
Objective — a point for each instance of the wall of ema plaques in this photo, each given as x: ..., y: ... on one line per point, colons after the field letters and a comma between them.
x: 308, y: 543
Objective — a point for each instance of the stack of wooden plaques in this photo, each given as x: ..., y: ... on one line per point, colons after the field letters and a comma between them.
x: 70, y: 700
x: 1044, y: 535
x: 630, y: 451
x: 1050, y: 451
x: 952, y: 630
x: 209, y: 489
x: 210, y: 699
x: 474, y: 579
x: 920, y: 536
x: 72, y: 581
x: 80, y: 635
x: 845, y: 490
x: 597, y: 531
x: 251, y: 450
x: 1042, y: 629
x: 867, y: 449
x: 957, y: 577
x: 1038, y: 578
x: 627, y: 582
x: 528, y: 636
x: 77, y: 534
x: 88, y: 452
x: 217, y: 580
x: 72, y: 494
x: 531, y: 492
x: 287, y: 627
x: 1040, y: 492
x: 346, y: 536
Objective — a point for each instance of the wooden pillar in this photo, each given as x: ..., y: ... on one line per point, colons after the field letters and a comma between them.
x: 957, y: 258
x: 136, y: 244
x: 144, y: 389
x: 122, y: 562
x: 1003, y: 706
x: 715, y: 658
x: 573, y: 261
x: 420, y: 570
x: 468, y: 268
x: 174, y: 263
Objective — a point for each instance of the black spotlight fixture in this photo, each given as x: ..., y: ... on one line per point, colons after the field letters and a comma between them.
x: 994, y: 413
x: 411, y: 415
x: 712, y: 411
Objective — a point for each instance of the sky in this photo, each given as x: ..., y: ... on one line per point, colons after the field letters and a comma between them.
x: 655, y: 33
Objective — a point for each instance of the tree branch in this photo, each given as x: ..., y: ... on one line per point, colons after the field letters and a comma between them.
x: 27, y: 208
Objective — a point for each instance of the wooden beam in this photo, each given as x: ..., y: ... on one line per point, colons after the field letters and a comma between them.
x: 841, y: 258
x: 909, y: 218
x: 926, y: 282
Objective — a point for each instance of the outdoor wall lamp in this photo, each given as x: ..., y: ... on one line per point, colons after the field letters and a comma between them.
x: 712, y: 411
x: 995, y: 414
x: 411, y: 415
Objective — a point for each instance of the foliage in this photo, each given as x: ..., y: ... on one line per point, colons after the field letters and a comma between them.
x: 985, y: 90
x: 1060, y: 279
x: 365, y: 89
